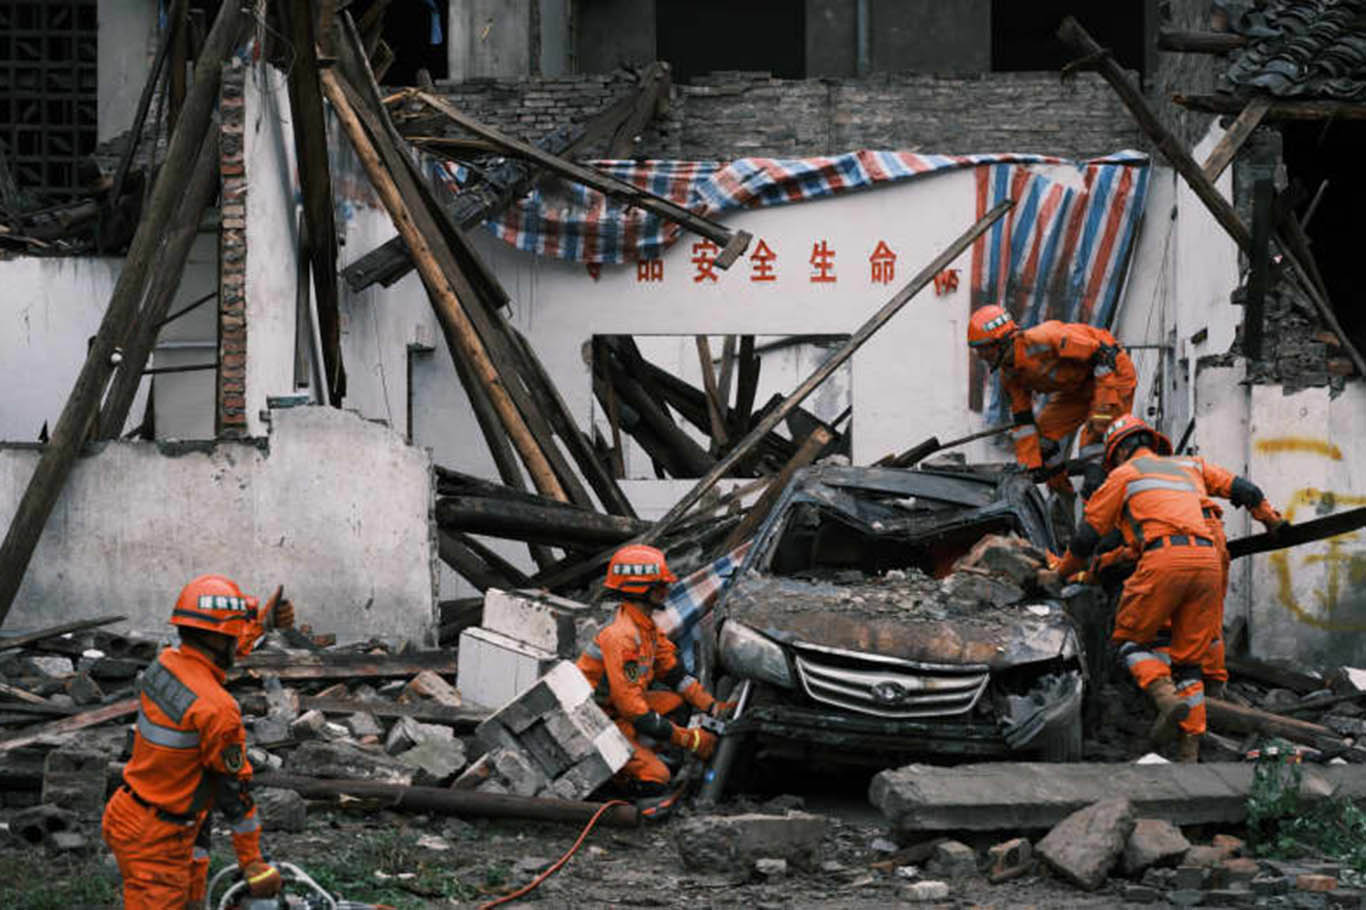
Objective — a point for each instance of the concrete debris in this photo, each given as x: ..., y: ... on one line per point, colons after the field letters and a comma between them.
x: 552, y: 737
x: 83, y: 690
x: 1008, y: 556
x: 36, y: 826
x: 967, y: 590
x: 308, y: 725
x: 952, y: 859
x: 52, y: 665
x: 707, y: 843
x: 771, y: 868
x: 280, y: 810
x: 75, y: 778
x: 363, y: 724
x: 1085, y: 846
x: 437, y: 761
x: 544, y: 621
x: 407, y: 733
x: 347, y: 761
x: 68, y: 841
x: 1154, y: 842
x: 263, y: 760
x: 920, y: 892
x: 269, y: 731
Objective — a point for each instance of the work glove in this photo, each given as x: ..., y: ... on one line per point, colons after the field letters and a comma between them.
x: 699, y: 742
x: 282, y: 617
x: 263, y: 879
x: 1093, y: 477
x: 1271, y: 519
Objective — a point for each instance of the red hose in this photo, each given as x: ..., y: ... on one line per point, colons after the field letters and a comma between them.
x: 535, y: 882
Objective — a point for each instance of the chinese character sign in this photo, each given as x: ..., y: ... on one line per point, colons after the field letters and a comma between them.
x: 762, y: 259
x: 884, y: 263
x: 704, y: 258
x: 822, y: 263
x: 649, y: 270
x: 945, y: 282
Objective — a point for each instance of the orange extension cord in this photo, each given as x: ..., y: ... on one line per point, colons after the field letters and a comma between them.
x: 535, y: 882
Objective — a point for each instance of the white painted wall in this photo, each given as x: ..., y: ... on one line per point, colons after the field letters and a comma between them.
x: 334, y: 507
x: 127, y: 44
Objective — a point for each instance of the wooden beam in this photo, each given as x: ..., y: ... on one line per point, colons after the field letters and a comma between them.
x: 732, y: 243
x: 832, y: 363
x: 1234, y: 137
x: 102, y: 714
x: 80, y: 625
x: 716, y: 409
x: 684, y: 457
x: 333, y: 665
x: 454, y: 551
x: 1225, y: 716
x: 25, y: 696
x: 1200, y: 42
x: 315, y: 179
x: 557, y: 526
x: 460, y: 332
x: 82, y: 407
x: 727, y: 371
x: 746, y: 385
x: 813, y: 445
x: 180, y: 55
x: 170, y: 266
x: 1280, y: 109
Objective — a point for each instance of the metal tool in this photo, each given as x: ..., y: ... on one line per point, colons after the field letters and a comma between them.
x: 309, y: 894
x: 714, y: 780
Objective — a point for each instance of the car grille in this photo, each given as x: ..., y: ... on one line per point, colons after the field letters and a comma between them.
x: 888, y: 687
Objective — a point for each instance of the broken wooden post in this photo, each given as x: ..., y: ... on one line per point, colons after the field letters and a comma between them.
x: 175, y: 252
x: 1281, y: 109
x: 716, y: 406
x: 118, y: 709
x: 456, y: 552
x: 460, y: 333
x: 1234, y: 137
x: 732, y: 243
x: 557, y: 525
x: 810, y: 449
x: 1225, y: 716
x: 82, y: 406
x: 315, y: 185
x: 832, y: 363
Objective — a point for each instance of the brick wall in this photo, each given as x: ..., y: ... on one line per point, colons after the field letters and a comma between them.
x: 230, y: 396
x: 731, y: 115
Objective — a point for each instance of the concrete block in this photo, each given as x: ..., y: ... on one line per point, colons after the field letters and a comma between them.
x: 614, y: 748
x: 35, y: 826
x: 407, y: 733
x: 518, y: 773
x: 1085, y: 846
x: 492, y: 734
x: 541, y: 620
x: 74, y: 778
x: 712, y: 842
x: 478, y: 771
x: 538, y: 742
x: 1009, y: 860
x: 495, y: 668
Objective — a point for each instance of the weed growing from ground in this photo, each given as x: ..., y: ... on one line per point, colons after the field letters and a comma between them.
x: 1283, y: 825
x: 32, y: 880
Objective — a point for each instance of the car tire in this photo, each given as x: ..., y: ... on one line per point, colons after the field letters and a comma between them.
x: 1062, y: 742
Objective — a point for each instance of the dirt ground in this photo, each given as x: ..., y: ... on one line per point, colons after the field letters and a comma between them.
x: 418, y: 861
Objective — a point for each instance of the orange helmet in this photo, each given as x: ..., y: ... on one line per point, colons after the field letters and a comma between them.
x: 213, y: 603
x: 635, y: 569
x: 1125, y: 426
x: 990, y: 325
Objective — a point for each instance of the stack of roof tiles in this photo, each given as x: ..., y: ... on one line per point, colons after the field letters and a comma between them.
x: 1299, y: 48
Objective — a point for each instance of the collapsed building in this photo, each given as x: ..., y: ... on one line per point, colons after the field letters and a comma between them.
x: 397, y: 346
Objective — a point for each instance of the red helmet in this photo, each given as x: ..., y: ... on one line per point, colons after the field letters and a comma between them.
x: 1125, y: 426
x: 213, y: 603
x: 990, y: 325
x: 636, y: 568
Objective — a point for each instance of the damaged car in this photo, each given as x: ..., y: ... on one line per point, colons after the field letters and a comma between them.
x: 852, y: 625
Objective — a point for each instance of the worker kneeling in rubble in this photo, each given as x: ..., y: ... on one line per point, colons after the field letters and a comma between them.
x: 189, y: 756
x: 1180, y: 573
x: 1089, y: 377
x: 629, y: 655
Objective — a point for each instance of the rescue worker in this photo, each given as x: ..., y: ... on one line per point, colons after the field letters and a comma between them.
x: 629, y: 655
x: 1087, y: 375
x: 189, y: 756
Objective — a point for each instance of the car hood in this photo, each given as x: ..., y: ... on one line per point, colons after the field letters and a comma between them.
x: 901, y: 615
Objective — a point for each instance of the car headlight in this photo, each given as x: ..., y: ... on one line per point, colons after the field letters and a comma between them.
x: 746, y: 653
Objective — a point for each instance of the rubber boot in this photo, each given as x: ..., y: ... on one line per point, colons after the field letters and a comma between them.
x: 1188, y: 749
x: 1215, y: 688
x: 1171, y: 709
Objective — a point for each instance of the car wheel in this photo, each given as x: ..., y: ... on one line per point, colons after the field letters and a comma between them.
x: 1061, y: 742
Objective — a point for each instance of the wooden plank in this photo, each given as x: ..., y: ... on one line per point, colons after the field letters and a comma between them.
x: 732, y: 243
x: 747, y: 385
x: 331, y: 665
x: 831, y: 363
x: 1226, y: 717
x: 460, y: 332
x: 141, y: 338
x: 315, y: 179
x: 80, y: 625
x: 716, y: 409
x: 1200, y: 42
x: 82, y: 406
x: 1234, y: 137
x: 454, y: 551
x: 100, y: 715
x: 23, y: 695
x: 810, y: 448
x: 727, y: 371
x: 676, y: 449
x: 1280, y: 109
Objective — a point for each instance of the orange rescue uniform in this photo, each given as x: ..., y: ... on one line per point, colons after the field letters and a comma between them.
x: 1155, y: 501
x: 621, y: 663
x: 189, y: 755
x: 1089, y: 378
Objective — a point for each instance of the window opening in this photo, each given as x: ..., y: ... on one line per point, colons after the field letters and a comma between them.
x: 1024, y: 35
x: 698, y: 37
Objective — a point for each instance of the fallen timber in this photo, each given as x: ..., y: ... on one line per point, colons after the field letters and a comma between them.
x: 452, y: 802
